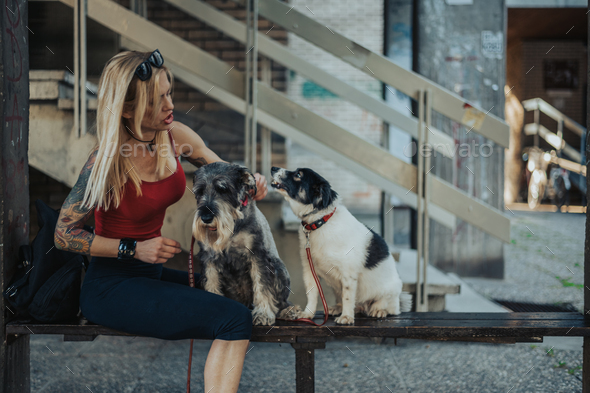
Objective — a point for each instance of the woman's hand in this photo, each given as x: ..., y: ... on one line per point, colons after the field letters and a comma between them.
x: 156, y: 250
x: 261, y: 189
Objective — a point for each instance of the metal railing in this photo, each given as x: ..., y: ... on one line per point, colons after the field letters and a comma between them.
x: 376, y: 65
x: 555, y: 139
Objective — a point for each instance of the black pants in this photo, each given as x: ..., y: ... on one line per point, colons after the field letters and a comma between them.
x: 155, y: 301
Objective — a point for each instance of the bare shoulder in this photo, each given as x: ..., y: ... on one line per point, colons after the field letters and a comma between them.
x: 180, y: 130
x: 186, y: 138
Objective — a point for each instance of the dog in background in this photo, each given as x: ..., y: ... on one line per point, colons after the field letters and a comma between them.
x: 353, y: 259
x: 237, y: 251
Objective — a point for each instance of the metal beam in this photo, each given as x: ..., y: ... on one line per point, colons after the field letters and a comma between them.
x: 444, y: 101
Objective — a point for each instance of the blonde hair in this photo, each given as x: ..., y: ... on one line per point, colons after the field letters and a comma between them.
x: 119, y: 90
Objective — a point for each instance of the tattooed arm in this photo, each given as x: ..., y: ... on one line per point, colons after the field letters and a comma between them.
x: 70, y: 234
x: 191, y: 145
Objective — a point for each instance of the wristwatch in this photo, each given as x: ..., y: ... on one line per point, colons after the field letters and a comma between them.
x: 127, y: 249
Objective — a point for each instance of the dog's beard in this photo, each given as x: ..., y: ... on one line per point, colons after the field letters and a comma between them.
x: 224, y: 222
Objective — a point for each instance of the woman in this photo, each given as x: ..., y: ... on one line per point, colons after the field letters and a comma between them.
x: 129, y: 180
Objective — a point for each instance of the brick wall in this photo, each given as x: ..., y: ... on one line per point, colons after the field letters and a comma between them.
x: 363, y: 23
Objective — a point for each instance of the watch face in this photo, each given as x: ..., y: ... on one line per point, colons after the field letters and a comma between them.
x: 127, y: 249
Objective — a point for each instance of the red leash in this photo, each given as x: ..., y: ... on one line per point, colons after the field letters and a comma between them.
x: 317, y: 282
x: 306, y: 320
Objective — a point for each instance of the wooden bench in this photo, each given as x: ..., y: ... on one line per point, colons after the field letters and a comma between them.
x: 503, y: 328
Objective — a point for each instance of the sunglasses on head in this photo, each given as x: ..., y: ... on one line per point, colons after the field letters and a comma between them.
x: 144, y: 70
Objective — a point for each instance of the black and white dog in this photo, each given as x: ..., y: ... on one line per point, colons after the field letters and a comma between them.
x: 237, y: 251
x: 353, y: 259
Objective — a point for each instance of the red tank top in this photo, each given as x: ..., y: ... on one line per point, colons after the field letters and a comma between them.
x: 141, y: 218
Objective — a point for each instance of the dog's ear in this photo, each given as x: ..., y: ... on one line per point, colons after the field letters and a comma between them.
x: 248, y: 179
x: 323, y: 195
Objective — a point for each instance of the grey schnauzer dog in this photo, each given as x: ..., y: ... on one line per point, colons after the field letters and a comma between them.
x: 237, y: 251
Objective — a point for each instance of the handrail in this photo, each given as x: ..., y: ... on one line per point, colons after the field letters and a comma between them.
x: 235, y: 29
x: 553, y: 139
x: 554, y: 113
x: 409, y: 82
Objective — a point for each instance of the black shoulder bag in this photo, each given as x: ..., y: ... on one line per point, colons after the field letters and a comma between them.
x: 46, y: 285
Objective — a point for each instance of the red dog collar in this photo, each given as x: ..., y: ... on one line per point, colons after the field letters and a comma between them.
x: 318, y: 223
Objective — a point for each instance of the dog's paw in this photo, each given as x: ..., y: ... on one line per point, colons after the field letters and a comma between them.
x: 378, y: 313
x: 291, y: 312
x: 335, y: 310
x: 306, y: 314
x: 345, y: 320
x: 262, y: 317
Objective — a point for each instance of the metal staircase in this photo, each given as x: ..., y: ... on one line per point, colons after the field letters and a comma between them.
x: 413, y: 185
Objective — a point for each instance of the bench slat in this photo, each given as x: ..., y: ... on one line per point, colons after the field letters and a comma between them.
x: 409, y: 325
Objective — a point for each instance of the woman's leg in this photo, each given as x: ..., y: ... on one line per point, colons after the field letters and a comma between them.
x: 166, y: 310
x: 174, y: 311
x: 225, y: 361
x: 223, y: 368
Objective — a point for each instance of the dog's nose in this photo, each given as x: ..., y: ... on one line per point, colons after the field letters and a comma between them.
x: 207, y: 217
x: 274, y: 169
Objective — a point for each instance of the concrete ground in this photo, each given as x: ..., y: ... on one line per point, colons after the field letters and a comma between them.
x: 126, y: 365
x: 545, y: 246
x: 544, y: 262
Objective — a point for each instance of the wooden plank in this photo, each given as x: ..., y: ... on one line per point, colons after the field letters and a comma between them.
x: 14, y: 181
x: 79, y: 337
x: 304, y: 369
x: 492, y: 340
x: 586, y: 347
x: 585, y: 365
x: 408, y: 325
x: 18, y: 366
